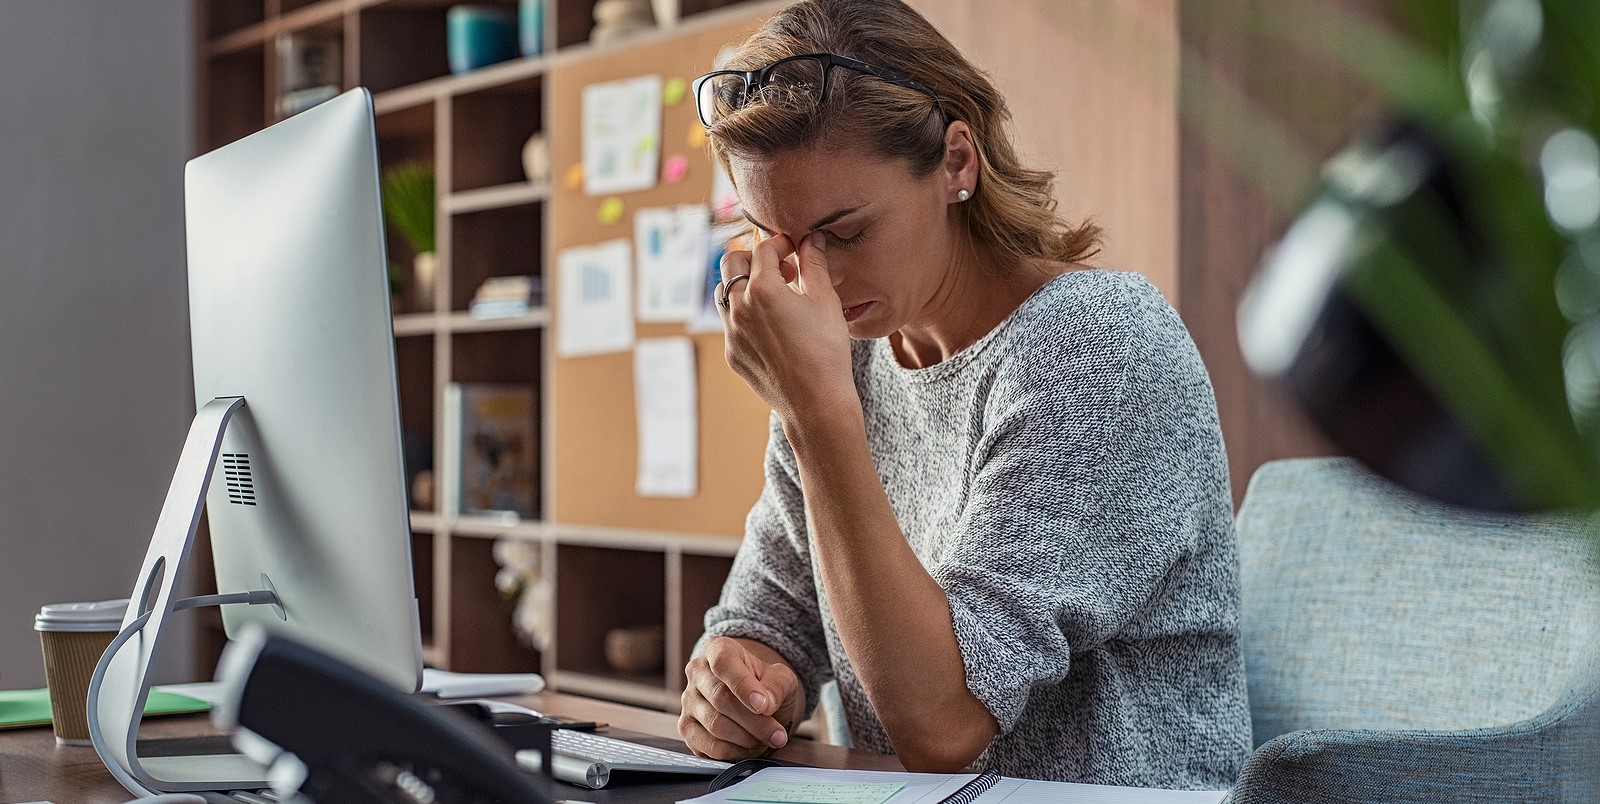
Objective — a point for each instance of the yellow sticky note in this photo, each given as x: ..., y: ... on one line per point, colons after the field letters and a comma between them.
x: 611, y: 210
x: 574, y: 177
x: 697, y: 135
x: 674, y: 91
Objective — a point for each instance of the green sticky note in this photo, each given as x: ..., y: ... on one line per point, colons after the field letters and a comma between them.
x: 674, y: 91
x: 816, y: 792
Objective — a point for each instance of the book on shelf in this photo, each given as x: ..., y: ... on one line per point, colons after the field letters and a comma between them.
x: 506, y: 297
x: 491, y: 450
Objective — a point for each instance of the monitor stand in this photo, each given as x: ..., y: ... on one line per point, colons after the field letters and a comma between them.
x: 121, y: 682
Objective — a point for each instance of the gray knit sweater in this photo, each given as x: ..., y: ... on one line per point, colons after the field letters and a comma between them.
x: 1063, y: 480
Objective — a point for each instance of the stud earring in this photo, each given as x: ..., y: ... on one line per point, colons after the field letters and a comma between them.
x: 963, y: 195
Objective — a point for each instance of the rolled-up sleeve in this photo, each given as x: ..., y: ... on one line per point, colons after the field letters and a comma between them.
x: 770, y: 595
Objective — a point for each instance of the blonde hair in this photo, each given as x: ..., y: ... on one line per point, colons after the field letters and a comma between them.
x: 1012, y: 210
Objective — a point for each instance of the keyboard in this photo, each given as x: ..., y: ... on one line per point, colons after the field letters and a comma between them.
x: 588, y: 760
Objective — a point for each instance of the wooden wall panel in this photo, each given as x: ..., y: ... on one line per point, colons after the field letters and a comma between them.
x: 1093, y: 88
x: 1228, y: 218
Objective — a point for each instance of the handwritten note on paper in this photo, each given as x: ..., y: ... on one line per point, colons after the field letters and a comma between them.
x: 595, y: 312
x: 664, y: 399
x: 671, y: 244
x: 621, y: 135
x: 817, y: 792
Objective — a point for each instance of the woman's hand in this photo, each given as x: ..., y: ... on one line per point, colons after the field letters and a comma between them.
x: 786, y: 333
x: 738, y: 703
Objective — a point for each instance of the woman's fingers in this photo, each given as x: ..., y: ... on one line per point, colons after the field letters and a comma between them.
x: 734, y: 263
x: 716, y: 709
x: 767, y: 261
x: 705, y: 744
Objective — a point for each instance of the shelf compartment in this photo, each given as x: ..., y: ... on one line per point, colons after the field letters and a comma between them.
x: 599, y: 589
x: 406, y: 137
x: 481, y: 636
x: 236, y: 89
x: 700, y: 587
x: 574, y: 19
x: 225, y: 17
x: 507, y: 241
x: 400, y: 46
x: 512, y: 357
x: 489, y: 128
x: 414, y: 377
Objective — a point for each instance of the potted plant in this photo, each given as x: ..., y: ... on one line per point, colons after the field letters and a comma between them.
x: 408, y: 207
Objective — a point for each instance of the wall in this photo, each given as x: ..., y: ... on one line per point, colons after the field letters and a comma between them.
x: 1115, y: 144
x: 95, y: 125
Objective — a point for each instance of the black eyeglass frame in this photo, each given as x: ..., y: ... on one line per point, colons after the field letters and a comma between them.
x: 755, y: 79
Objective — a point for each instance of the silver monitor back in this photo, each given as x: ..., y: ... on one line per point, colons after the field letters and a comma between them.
x: 289, y: 309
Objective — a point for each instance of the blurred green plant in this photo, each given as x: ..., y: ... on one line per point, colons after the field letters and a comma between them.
x: 408, y: 204
x: 1468, y: 233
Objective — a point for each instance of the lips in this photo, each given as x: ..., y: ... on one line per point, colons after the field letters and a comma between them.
x: 855, y: 312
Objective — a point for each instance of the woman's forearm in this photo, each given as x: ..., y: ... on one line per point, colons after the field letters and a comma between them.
x: 893, y: 618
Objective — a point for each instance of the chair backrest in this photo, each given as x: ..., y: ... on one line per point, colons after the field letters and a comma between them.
x: 1365, y: 606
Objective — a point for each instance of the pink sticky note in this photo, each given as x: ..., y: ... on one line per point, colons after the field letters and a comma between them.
x: 675, y: 169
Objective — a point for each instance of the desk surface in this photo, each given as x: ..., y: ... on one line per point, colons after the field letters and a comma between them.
x: 32, y: 768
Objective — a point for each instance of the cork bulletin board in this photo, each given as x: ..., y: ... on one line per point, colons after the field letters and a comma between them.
x: 593, y: 421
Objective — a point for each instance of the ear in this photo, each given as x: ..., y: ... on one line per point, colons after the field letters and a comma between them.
x: 960, y: 161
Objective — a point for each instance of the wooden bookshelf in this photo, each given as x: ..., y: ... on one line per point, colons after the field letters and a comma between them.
x: 491, y: 222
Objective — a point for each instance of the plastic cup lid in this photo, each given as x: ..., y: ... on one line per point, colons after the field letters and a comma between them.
x: 104, y: 615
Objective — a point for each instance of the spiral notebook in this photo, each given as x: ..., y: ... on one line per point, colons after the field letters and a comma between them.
x: 825, y: 786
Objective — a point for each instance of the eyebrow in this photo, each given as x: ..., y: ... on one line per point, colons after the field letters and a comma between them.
x: 826, y: 219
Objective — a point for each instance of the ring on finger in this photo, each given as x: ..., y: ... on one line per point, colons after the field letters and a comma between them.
x: 727, y: 290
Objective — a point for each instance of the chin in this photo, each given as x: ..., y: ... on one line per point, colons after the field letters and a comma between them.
x: 867, y: 330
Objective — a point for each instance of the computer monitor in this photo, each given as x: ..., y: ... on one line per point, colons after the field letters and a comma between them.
x: 296, y: 448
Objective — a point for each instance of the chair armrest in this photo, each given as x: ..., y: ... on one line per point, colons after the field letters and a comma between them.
x: 1546, y: 759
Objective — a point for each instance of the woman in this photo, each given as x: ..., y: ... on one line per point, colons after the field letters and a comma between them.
x: 996, y: 505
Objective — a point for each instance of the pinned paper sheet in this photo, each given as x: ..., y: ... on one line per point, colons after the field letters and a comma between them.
x: 595, y: 315
x: 664, y: 400
x: 671, y: 244
x: 708, y: 319
x: 621, y: 135
x: 817, y: 792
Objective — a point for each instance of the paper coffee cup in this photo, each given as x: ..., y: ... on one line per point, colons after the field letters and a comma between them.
x: 73, y: 636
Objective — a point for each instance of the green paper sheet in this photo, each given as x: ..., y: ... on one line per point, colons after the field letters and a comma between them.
x: 767, y: 792
x: 23, y: 708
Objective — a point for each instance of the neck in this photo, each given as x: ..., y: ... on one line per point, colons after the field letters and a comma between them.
x: 972, y: 299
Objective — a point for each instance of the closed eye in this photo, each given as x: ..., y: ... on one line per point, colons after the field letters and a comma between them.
x: 835, y: 241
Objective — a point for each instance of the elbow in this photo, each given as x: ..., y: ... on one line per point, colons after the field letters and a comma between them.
x: 943, y: 749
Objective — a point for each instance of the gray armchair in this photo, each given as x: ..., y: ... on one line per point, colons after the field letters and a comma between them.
x: 1398, y: 650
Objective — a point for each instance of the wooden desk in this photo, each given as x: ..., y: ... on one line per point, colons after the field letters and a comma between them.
x: 32, y: 768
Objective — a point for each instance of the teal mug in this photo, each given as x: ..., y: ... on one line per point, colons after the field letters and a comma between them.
x: 479, y: 36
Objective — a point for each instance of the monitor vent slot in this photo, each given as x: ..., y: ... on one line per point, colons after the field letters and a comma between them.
x: 236, y: 472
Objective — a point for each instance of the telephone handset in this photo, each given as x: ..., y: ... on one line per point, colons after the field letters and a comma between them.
x: 329, y: 732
